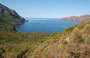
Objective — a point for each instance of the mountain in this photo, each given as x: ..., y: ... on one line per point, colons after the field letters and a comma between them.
x: 77, y: 18
x: 10, y: 16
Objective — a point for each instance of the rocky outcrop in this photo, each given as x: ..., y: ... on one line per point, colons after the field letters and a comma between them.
x: 77, y: 18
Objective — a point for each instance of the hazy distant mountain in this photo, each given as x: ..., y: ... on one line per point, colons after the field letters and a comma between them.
x: 10, y: 16
x: 77, y: 18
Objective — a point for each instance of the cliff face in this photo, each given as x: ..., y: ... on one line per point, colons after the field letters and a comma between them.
x: 10, y: 16
x: 77, y: 18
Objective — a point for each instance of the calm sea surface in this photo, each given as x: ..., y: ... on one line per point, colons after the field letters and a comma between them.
x: 47, y: 25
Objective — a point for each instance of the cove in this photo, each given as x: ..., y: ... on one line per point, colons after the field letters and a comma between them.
x: 47, y: 25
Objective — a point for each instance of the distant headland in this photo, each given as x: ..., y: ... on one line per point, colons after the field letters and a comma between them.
x: 77, y: 18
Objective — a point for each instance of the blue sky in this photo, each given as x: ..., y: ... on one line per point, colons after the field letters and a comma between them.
x: 49, y: 8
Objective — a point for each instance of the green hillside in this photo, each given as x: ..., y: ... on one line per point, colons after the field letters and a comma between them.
x: 74, y: 42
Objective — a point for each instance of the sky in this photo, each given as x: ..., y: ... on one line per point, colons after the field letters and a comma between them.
x: 48, y: 8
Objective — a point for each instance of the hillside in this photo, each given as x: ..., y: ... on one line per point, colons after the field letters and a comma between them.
x: 9, y: 16
x: 77, y: 18
x: 74, y: 42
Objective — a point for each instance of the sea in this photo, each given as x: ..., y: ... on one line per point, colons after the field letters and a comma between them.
x: 47, y: 25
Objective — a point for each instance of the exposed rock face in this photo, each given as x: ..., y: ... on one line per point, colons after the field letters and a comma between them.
x: 77, y: 18
x: 10, y: 16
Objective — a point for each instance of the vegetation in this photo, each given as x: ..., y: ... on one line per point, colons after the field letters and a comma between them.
x: 14, y: 44
x: 74, y: 42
